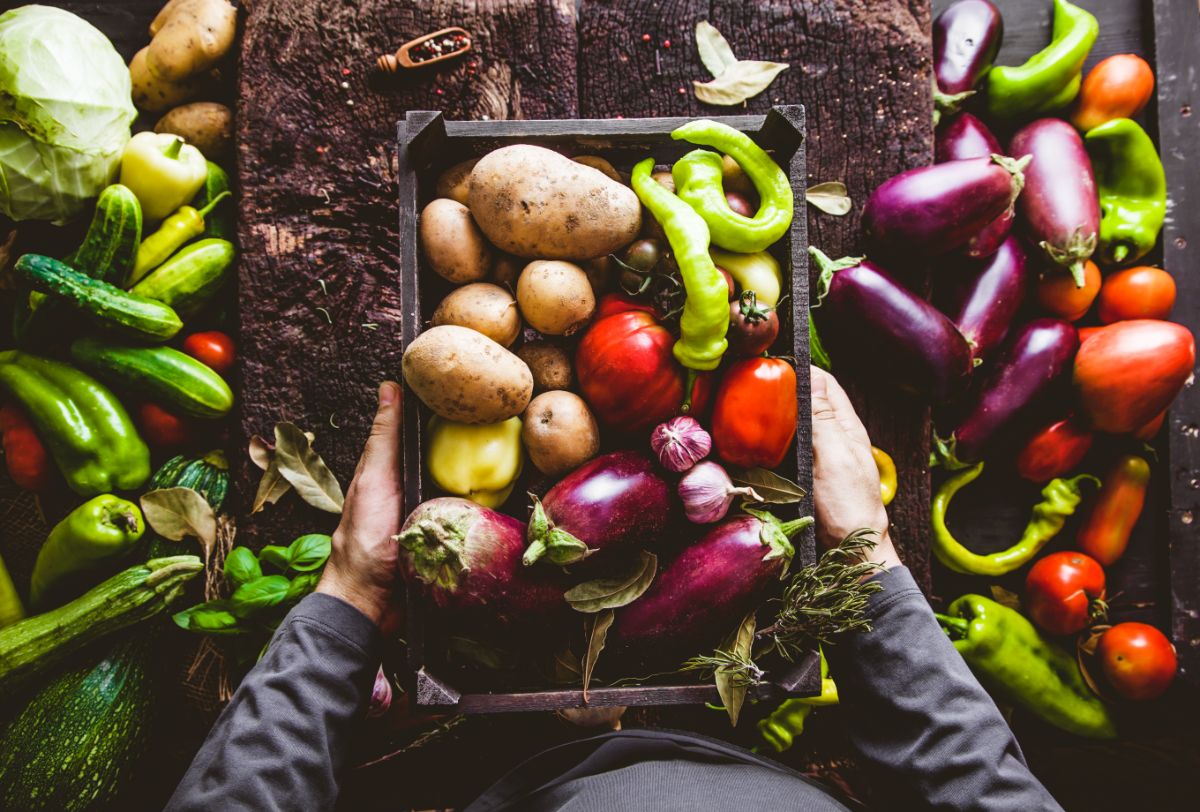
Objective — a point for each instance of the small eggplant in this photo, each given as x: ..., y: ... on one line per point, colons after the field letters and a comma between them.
x: 1059, y: 209
x: 965, y: 136
x: 1029, y: 366
x: 616, y: 502
x: 701, y: 595
x: 870, y: 315
x: 468, y: 558
x: 986, y: 294
x: 966, y: 39
x: 933, y: 210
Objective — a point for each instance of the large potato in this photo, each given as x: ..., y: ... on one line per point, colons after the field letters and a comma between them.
x: 485, y: 308
x: 452, y: 243
x: 555, y: 297
x: 154, y: 94
x: 194, y: 36
x: 463, y: 375
x: 533, y: 202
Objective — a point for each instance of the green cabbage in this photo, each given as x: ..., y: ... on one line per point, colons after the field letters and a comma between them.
x: 65, y: 113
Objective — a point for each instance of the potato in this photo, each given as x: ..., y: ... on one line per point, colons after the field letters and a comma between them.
x: 665, y: 179
x: 163, y: 15
x: 465, y: 376
x: 549, y: 363
x: 559, y: 432
x: 452, y: 243
x: 193, y: 38
x: 555, y: 297
x: 505, y: 270
x: 154, y: 94
x: 485, y: 308
x: 455, y: 181
x: 208, y: 126
x: 596, y: 162
x: 533, y: 202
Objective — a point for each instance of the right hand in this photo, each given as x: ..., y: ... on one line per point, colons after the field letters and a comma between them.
x: 845, y: 477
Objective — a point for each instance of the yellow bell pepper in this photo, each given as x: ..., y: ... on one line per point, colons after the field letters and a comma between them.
x: 478, y: 462
x: 163, y: 172
x: 757, y: 272
x: 887, y: 474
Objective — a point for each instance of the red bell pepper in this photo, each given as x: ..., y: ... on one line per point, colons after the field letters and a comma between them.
x: 754, y: 417
x: 1054, y: 451
x: 25, y: 456
x: 1106, y: 529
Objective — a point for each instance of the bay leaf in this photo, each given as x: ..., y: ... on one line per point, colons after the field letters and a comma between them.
x: 614, y: 591
x: 271, y: 488
x: 565, y: 666
x: 1006, y: 597
x: 831, y: 197
x: 730, y: 687
x: 714, y: 49
x: 771, y: 488
x: 304, y: 469
x: 177, y: 513
x: 597, y: 632
x: 261, y: 452
x: 742, y: 80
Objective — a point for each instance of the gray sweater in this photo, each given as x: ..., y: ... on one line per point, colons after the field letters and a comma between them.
x: 912, y: 706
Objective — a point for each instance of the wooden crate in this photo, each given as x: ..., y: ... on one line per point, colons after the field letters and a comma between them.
x: 428, y: 143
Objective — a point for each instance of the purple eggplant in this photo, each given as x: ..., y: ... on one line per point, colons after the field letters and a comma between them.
x: 984, y: 295
x: 966, y: 39
x: 615, y: 503
x: 965, y: 136
x: 933, y: 210
x: 468, y: 560
x: 870, y: 316
x: 1030, y: 365
x: 700, y: 596
x: 1059, y: 209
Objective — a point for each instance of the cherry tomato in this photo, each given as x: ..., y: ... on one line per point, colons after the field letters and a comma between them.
x: 1118, y: 87
x: 753, y: 328
x: 1136, y: 293
x: 1057, y: 294
x: 29, y: 464
x: 730, y: 283
x: 1138, y: 660
x: 754, y: 419
x: 214, y: 349
x: 162, y: 429
x: 741, y: 204
x: 1060, y: 589
x: 1054, y: 451
x: 1105, y: 531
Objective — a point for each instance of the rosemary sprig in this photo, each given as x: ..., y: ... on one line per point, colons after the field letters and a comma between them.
x: 742, y: 669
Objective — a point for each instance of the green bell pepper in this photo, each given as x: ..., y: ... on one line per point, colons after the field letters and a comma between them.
x: 98, y: 531
x: 1012, y: 659
x: 1050, y: 79
x: 1132, y: 187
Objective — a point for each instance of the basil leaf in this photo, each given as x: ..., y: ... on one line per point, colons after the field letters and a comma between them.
x: 241, y: 567
x: 213, y: 617
x: 261, y: 593
x: 278, y: 557
x: 301, y: 585
x: 309, y: 553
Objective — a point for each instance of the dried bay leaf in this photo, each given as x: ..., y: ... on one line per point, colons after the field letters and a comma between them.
x: 714, y: 49
x: 772, y: 489
x: 177, y: 513
x: 615, y: 591
x: 732, y: 686
x: 597, y: 632
x: 304, y: 469
x: 831, y: 197
x: 742, y: 80
x: 1006, y: 597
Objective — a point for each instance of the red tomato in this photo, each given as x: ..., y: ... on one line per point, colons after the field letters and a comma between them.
x: 1060, y: 589
x: 628, y: 374
x: 1054, y: 451
x: 753, y: 327
x: 1149, y: 431
x: 1138, y: 660
x: 1128, y: 372
x: 25, y: 456
x: 754, y: 419
x: 1118, y: 87
x: 1136, y: 293
x: 1105, y: 531
x: 614, y: 303
x: 162, y: 429
x: 730, y: 283
x: 213, y: 349
x: 1087, y: 332
x: 1057, y: 294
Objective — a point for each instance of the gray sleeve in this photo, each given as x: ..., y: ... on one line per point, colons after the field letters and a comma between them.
x: 916, y: 712
x: 282, y: 741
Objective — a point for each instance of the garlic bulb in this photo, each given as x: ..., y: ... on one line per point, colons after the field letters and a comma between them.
x: 381, y: 696
x: 708, y: 492
x: 680, y: 443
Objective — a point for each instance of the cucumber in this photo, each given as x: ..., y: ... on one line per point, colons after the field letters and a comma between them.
x: 103, y: 304
x: 162, y: 374
x: 219, y: 222
x: 207, y: 475
x: 110, y: 247
x: 190, y: 278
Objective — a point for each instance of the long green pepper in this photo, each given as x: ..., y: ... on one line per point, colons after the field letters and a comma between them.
x: 1132, y: 187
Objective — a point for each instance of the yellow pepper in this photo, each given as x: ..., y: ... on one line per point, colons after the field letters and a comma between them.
x: 478, y: 462
x: 887, y: 474
x: 163, y: 172
x: 757, y: 272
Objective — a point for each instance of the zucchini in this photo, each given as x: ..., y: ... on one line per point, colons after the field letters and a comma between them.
x: 103, y: 304
x: 162, y: 374
x: 219, y: 222
x: 190, y: 278
x: 207, y: 475
x: 33, y: 646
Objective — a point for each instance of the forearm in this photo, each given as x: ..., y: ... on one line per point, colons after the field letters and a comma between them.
x: 282, y: 741
x: 916, y: 710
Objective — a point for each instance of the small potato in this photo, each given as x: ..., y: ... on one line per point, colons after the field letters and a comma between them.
x: 452, y: 243
x: 464, y: 376
x: 193, y: 38
x: 559, y: 432
x: 555, y: 297
x: 154, y: 94
x: 596, y: 162
x: 549, y: 363
x: 485, y: 308
x: 665, y: 179
x: 455, y: 182
x: 505, y: 270
x: 208, y: 126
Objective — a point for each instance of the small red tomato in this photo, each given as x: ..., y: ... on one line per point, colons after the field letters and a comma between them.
x: 1054, y: 451
x: 741, y: 204
x: 162, y: 429
x: 753, y: 328
x: 1060, y: 589
x: 213, y: 349
x: 1136, y: 293
x: 1058, y: 295
x: 1138, y: 660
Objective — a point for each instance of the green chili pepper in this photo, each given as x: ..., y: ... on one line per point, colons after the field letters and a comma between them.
x: 185, y: 224
x: 1132, y: 186
x: 697, y: 178
x: 1060, y: 498
x: 785, y: 724
x: 705, y: 316
x: 1050, y: 79
x: 1014, y: 660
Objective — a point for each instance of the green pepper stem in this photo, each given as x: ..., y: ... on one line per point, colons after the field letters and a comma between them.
x: 1120, y: 252
x: 953, y: 624
x: 204, y: 212
x: 172, y: 151
x: 690, y: 385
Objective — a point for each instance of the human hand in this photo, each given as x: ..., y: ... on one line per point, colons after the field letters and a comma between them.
x: 845, y: 478
x: 362, y: 567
